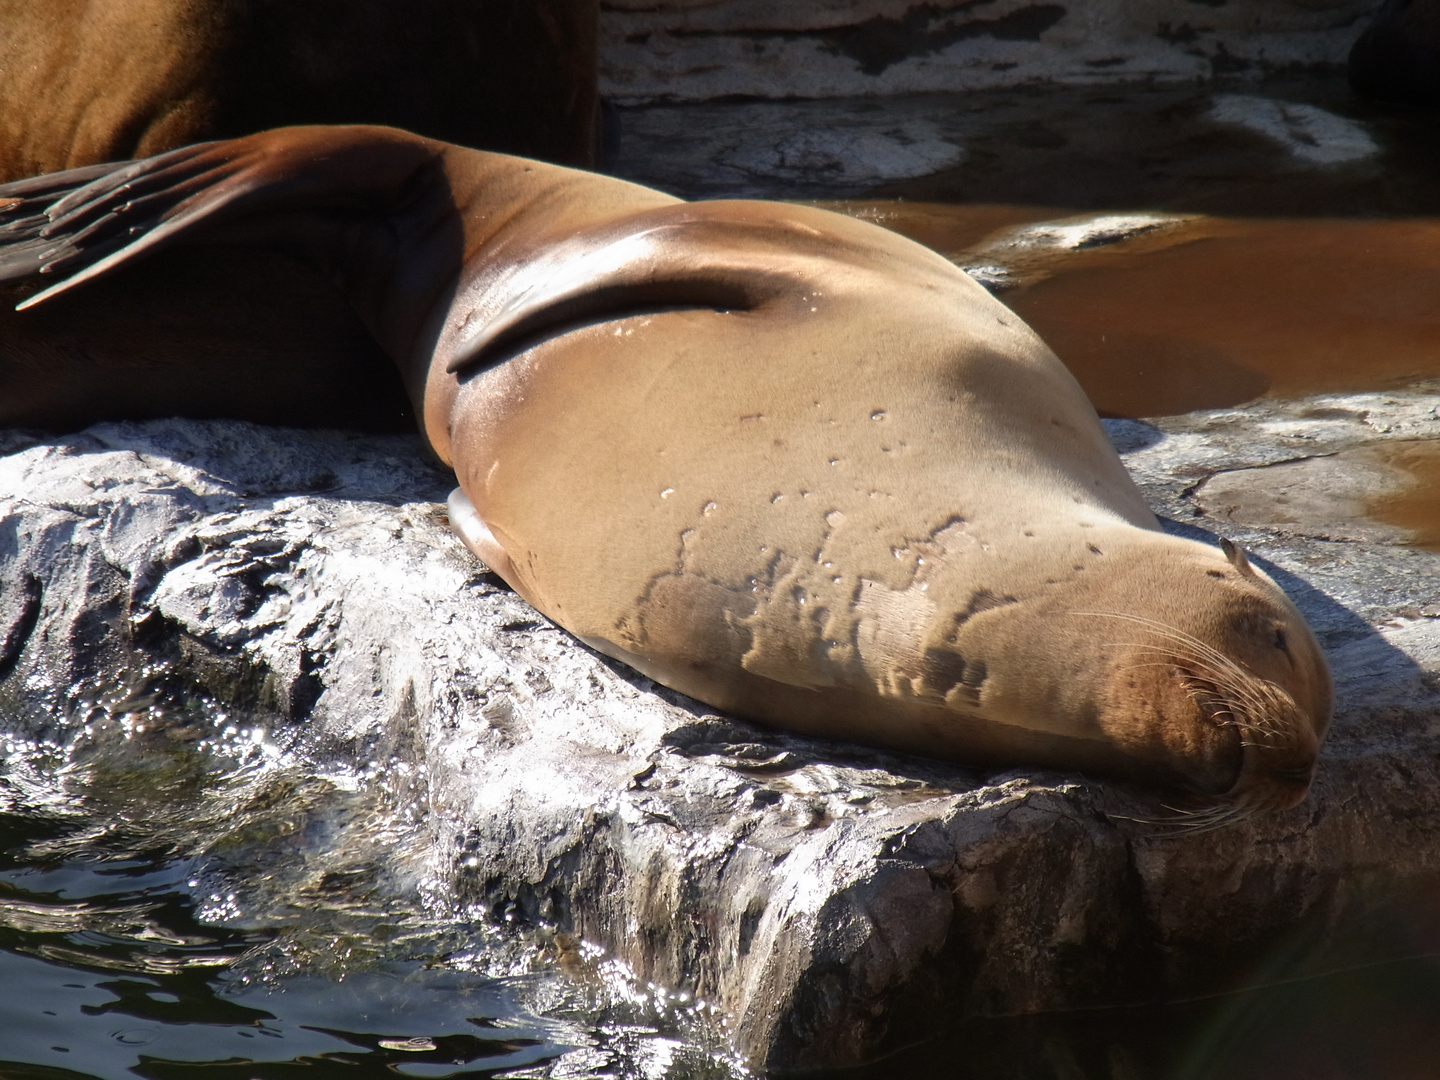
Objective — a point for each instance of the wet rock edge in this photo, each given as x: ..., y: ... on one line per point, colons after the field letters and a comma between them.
x: 837, y: 902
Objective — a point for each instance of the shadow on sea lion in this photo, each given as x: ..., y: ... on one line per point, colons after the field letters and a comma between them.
x: 784, y: 461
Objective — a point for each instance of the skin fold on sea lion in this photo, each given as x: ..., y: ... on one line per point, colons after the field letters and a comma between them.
x: 779, y: 459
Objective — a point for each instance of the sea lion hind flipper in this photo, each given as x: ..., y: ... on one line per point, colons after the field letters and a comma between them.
x: 76, y: 219
x: 107, y: 215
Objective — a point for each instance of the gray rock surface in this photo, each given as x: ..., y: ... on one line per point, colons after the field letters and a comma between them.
x: 834, y: 901
x: 1283, y: 142
x: 697, y: 49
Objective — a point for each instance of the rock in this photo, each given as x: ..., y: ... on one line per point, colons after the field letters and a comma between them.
x: 837, y: 902
x: 848, y: 158
x: 1284, y: 146
x: 688, y: 50
x: 1321, y: 497
x: 1397, y: 58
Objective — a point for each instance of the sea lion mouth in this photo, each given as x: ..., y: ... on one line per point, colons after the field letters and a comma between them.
x: 1277, y: 760
x: 1270, y: 783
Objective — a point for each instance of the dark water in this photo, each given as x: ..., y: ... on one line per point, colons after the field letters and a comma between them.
x: 182, y: 896
x: 1375, y: 1022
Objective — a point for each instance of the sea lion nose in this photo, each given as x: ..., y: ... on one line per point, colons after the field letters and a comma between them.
x: 1291, y: 782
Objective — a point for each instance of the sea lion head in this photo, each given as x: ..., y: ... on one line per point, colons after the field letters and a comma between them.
x: 1216, y: 679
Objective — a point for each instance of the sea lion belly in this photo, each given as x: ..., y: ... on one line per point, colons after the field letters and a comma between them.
x: 785, y: 510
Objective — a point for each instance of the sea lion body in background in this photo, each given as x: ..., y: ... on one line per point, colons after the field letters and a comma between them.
x: 88, y: 81
x: 782, y: 460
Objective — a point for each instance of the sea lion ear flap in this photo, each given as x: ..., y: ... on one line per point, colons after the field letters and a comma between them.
x: 1237, y: 558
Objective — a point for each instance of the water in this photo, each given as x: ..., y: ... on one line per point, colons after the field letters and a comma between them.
x: 1414, y: 506
x: 182, y: 895
x: 1375, y: 1022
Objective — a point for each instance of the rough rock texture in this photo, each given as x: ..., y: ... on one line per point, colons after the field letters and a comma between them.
x: 691, y: 50
x: 1284, y: 145
x: 834, y: 900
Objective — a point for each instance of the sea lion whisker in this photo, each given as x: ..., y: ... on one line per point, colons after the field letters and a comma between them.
x: 1214, y: 664
x: 1201, y: 665
x: 1174, y: 633
x: 1160, y: 828
x: 1177, y: 818
x: 1222, y: 822
x: 1260, y: 692
x: 1221, y: 814
x: 1194, y: 813
x: 1200, y: 662
x: 1142, y: 620
x: 1230, y: 687
x: 1265, y: 731
x: 1193, y: 822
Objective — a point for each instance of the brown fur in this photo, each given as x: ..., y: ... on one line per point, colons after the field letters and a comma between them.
x: 88, y: 81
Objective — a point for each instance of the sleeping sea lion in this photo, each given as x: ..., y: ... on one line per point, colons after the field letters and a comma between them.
x: 782, y: 460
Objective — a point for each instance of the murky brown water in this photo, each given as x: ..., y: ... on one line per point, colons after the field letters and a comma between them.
x: 1208, y: 312
x: 1416, y: 507
x: 1214, y: 311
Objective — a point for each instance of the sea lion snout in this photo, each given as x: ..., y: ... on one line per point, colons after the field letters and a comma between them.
x: 1278, y: 743
x: 1229, y: 691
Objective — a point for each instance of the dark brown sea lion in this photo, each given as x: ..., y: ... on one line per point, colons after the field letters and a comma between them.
x: 785, y: 461
x: 86, y: 81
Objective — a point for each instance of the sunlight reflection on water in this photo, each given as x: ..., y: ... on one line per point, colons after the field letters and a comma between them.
x: 181, y: 890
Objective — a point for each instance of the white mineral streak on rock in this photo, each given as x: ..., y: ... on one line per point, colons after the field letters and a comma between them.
x: 1028, y: 253
x: 847, y: 157
x: 1074, y: 234
x: 1306, y: 131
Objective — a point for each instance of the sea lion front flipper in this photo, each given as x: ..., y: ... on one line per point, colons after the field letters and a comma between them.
x: 466, y: 523
x: 91, y: 220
